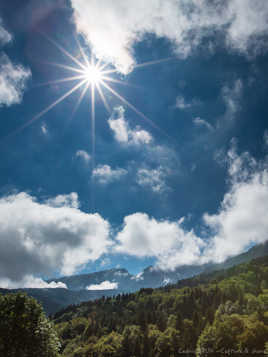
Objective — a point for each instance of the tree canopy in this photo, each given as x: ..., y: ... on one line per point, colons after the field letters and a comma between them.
x: 25, y: 331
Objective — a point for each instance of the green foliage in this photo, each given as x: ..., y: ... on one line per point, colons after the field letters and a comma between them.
x: 220, y: 312
x: 24, y: 329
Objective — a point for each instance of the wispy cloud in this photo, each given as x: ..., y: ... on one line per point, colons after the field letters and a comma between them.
x: 5, y: 36
x: 231, y: 96
x: 153, y: 179
x: 265, y: 137
x: 44, y: 129
x: 203, y: 123
x: 83, y: 155
x: 182, y: 104
x: 104, y: 174
x: 13, y: 79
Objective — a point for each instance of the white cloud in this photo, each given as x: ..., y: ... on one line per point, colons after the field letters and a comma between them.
x: 44, y: 129
x: 123, y: 133
x: 182, y: 104
x: 140, y: 136
x: 240, y: 221
x: 248, y: 21
x: 143, y: 236
x: 13, y: 77
x: 70, y: 200
x: 83, y: 155
x: 44, y: 239
x: 113, y: 27
x: 5, y: 36
x: 104, y: 174
x: 153, y: 179
x: 242, y: 217
x: 203, y: 123
x: 12, y: 81
x: 31, y: 282
x: 105, y: 285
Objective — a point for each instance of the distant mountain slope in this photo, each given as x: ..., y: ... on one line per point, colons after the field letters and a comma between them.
x: 220, y: 313
x: 55, y: 299
x: 80, y: 282
x: 151, y: 277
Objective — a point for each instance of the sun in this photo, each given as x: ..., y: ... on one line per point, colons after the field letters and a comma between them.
x: 93, y: 74
x: 96, y: 77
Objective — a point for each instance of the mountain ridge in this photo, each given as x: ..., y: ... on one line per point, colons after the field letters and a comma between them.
x: 55, y: 299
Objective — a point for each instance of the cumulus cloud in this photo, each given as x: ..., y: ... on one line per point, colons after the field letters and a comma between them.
x: 143, y: 236
x: 13, y: 79
x: 104, y: 174
x: 153, y: 179
x: 240, y: 221
x: 248, y: 24
x: 31, y: 282
x: 113, y: 27
x: 203, y: 123
x: 105, y: 285
x: 82, y: 154
x: 44, y: 238
x: 70, y: 200
x: 242, y: 217
x: 123, y: 133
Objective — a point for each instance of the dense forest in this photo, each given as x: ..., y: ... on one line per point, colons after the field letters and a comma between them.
x: 222, y: 313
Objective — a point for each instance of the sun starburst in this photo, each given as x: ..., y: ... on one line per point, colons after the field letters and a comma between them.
x: 91, y: 75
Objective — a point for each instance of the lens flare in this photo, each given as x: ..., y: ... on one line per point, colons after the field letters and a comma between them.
x: 93, y: 74
x: 93, y: 77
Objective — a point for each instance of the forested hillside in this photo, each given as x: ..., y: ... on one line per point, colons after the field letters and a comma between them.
x: 223, y: 312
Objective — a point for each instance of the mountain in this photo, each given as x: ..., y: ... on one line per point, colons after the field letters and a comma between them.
x: 219, y: 313
x: 152, y: 277
x: 122, y: 277
x: 55, y: 299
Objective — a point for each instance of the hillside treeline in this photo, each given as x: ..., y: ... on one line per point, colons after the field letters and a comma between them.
x: 223, y: 313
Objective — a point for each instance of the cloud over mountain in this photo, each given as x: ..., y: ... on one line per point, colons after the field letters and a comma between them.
x: 45, y: 237
x: 240, y: 221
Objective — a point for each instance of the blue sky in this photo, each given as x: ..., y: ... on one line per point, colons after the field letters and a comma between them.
x: 175, y: 175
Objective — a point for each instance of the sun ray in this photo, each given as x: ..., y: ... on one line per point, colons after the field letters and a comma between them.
x: 102, y: 67
x: 131, y: 106
x: 70, y: 68
x: 110, y: 71
x: 103, y: 98
x: 150, y: 63
x: 93, y: 138
x: 80, y: 99
x: 82, y: 52
x: 65, y: 52
x: 62, y: 80
x: 51, y: 106
x: 109, y: 79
